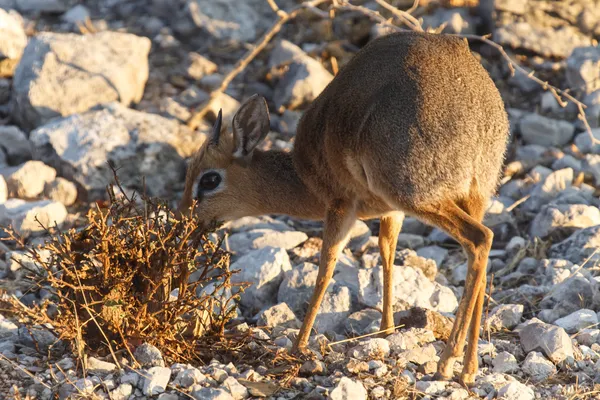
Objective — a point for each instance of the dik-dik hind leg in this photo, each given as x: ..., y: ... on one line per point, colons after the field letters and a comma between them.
x: 389, y: 229
x: 338, y: 222
x: 476, y: 240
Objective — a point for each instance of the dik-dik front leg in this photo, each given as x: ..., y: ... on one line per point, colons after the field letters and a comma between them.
x: 340, y: 217
x: 389, y: 228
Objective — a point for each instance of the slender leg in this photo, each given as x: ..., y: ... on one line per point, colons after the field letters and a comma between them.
x: 338, y: 222
x: 476, y: 240
x: 389, y: 229
x: 471, y: 363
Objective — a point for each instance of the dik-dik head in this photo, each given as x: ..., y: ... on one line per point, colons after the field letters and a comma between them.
x: 220, y: 176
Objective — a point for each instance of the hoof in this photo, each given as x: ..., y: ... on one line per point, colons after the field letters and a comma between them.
x: 438, y: 376
x: 467, y: 380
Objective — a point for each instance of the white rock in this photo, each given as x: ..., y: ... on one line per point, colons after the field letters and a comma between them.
x: 553, y: 341
x: 505, y: 316
x: 436, y: 253
x: 515, y: 391
x: 410, y: 286
x: 304, y: 80
x: 243, y: 242
x: 583, y: 68
x: 538, y: 367
x: 278, y: 315
x: 370, y: 348
x: 61, y: 190
x: 348, y: 389
x: 504, y: 363
x: 264, y: 268
x: 26, y: 217
x: 140, y: 144
x: 211, y: 394
x: 13, y: 37
x: 334, y: 310
x: 63, y: 73
x: 3, y: 190
x: 156, y: 380
x: 99, y: 367
x: 122, y: 392
x: 578, y: 320
x: 189, y: 377
x: 563, y: 218
x: 27, y: 181
x: 297, y: 287
x: 553, y: 185
x: 431, y: 387
x: 236, y: 389
x: 15, y: 144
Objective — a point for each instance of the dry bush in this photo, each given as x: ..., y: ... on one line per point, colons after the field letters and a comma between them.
x: 124, y: 279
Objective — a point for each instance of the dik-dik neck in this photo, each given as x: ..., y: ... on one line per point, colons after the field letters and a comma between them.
x: 281, y: 187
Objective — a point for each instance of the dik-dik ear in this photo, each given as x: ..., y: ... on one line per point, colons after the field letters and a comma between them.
x: 216, y: 130
x: 250, y: 126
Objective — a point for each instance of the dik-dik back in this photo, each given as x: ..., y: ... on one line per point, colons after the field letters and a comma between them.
x: 413, y: 116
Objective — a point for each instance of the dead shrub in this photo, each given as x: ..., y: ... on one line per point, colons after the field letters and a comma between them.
x: 124, y: 278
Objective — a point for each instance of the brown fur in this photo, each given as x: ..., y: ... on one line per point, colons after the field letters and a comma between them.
x: 413, y: 125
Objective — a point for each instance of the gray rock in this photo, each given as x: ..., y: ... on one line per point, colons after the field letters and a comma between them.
x: 236, y: 389
x: 37, y: 337
x: 568, y: 295
x: 370, y: 348
x: 297, y: 287
x: 278, y: 315
x: 167, y: 396
x: 156, y: 380
x: 26, y: 217
x: 15, y: 144
x: 505, y: 316
x: 538, y: 367
x: 227, y: 20
x: 583, y: 69
x: 515, y: 391
x: 246, y: 224
x: 148, y: 356
x: 435, y: 253
x: 61, y: 190
x: 411, y: 287
x: 546, y: 41
x: 189, y: 377
x: 27, y: 181
x: 584, y: 143
x: 348, y: 389
x: 578, y: 320
x: 419, y: 356
x: 549, y: 188
x: 588, y: 336
x: 505, y: 363
x: 63, y: 74
x: 537, y: 129
x: 201, y: 393
x: 551, y: 340
x: 264, y: 268
x: 41, y: 6
x: 360, y: 322
x: 140, y: 144
x: 244, y: 242
x: 563, y: 219
x: 579, y: 246
x: 457, y: 20
x: 99, y: 367
x: 304, y: 80
x: 8, y: 329
x: 334, y: 310
x: 79, y: 13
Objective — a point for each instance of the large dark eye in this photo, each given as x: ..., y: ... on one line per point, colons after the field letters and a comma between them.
x: 209, y: 181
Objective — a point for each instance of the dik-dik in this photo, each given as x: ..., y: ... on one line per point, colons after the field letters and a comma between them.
x: 412, y: 125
